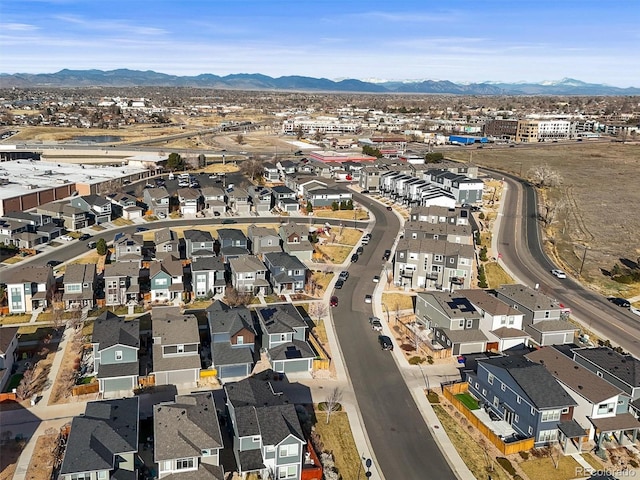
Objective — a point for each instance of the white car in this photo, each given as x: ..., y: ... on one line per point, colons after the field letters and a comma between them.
x: 66, y: 238
x: 376, y: 278
x: 558, y: 273
x: 368, y: 299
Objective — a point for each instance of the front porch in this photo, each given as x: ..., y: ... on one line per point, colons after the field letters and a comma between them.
x: 621, y: 430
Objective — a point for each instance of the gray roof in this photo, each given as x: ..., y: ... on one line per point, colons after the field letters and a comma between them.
x: 249, y: 460
x: 157, y: 193
x: 110, y: 329
x: 223, y: 319
x: 175, y: 362
x: 80, y: 273
x: 454, y: 305
x: 282, y: 189
x: 293, y: 350
x: 226, y: 354
x: 121, y: 269
x: 283, y: 318
x: 247, y: 263
x: 205, y: 471
x: 108, y: 428
x: 542, y: 389
x: 528, y: 297
x: 7, y: 335
x: 198, y: 236
x: 27, y: 274
x: 256, y: 390
x: 231, y: 234
x: 277, y: 423
x: 440, y: 247
x: 282, y: 259
x: 116, y: 370
x: 578, y: 378
x: 553, y: 326
x: 624, y: 367
x: 173, y: 327
x: 437, y: 228
x: 199, y: 264
x: 257, y: 231
x: 185, y: 427
x: 489, y: 303
x: 164, y: 235
x: 506, y: 332
x: 465, y: 336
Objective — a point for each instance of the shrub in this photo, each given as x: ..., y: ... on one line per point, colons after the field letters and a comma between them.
x: 433, y: 397
x: 481, y: 215
x: 483, y: 254
x: 415, y: 360
x: 524, y: 455
x: 506, y: 464
x: 429, y: 359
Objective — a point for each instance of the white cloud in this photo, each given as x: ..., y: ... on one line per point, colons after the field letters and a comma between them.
x: 18, y: 27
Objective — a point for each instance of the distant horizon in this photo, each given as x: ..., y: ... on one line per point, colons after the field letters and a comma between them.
x: 495, y: 41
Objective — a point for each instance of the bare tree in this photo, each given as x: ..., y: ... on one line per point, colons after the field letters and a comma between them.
x: 319, y: 309
x: 57, y: 311
x: 239, y: 139
x: 23, y: 390
x: 252, y: 168
x: 333, y: 402
x: 550, y: 210
x: 543, y: 176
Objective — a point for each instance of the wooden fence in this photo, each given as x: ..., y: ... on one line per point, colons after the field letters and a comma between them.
x: 85, y: 389
x: 8, y: 397
x: 148, y: 381
x: 423, y: 347
x: 449, y: 392
x: 323, y: 362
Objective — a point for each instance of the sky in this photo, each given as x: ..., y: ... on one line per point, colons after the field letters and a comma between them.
x: 462, y: 41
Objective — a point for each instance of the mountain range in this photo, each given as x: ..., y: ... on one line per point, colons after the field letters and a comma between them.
x: 256, y: 81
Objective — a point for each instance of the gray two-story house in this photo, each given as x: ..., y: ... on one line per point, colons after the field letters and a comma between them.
x: 98, y: 208
x: 157, y: 201
x: 199, y: 243
x: 128, y: 248
x: 263, y: 240
x: 29, y: 287
x: 249, y: 275
x: 79, y: 279
x: 208, y: 276
x: 287, y: 274
x: 233, y: 243
x: 116, y: 343
x: 295, y: 240
x: 167, y: 243
x: 121, y: 283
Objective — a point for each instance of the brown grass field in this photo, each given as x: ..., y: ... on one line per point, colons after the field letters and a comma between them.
x: 600, y: 192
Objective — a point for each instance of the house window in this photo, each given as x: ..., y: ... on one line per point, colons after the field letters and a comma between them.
x: 605, y: 408
x: 565, y: 410
x: 451, y: 260
x: 461, y: 323
x: 81, y: 476
x: 599, y: 374
x: 496, y: 401
x: 548, y: 435
x: 206, y: 452
x: 550, y: 416
x: 469, y: 323
x: 256, y: 439
x: 533, y: 411
x: 239, y: 340
x: 547, y: 314
x: 289, y: 450
x: 161, y: 281
x: 490, y: 379
x: 287, y: 472
x: 103, y: 475
x: 437, y: 258
x: 517, y: 418
x: 118, y: 354
x: 477, y: 386
x: 503, y: 387
x: 283, y: 337
x: 184, y: 463
x: 484, y: 392
x: 530, y: 431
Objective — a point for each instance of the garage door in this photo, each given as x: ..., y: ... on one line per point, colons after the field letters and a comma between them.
x: 233, y: 371
x: 553, y: 339
x: 117, y: 384
x: 472, y: 348
x: 296, y: 366
x: 180, y: 377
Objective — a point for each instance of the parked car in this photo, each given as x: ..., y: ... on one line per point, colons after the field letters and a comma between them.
x: 228, y: 220
x: 621, y: 302
x: 364, y: 191
x: 344, y: 275
x: 66, y: 238
x: 390, y: 208
x: 376, y: 324
x: 141, y: 229
x: 354, y: 258
x: 386, y: 255
x: 91, y: 245
x: 385, y: 342
x: 161, y: 215
x: 376, y: 278
x: 53, y: 263
x: 216, y: 214
x: 558, y: 273
x: 84, y: 236
x: 360, y: 250
x: 368, y: 298
x: 334, y: 301
x: 339, y: 284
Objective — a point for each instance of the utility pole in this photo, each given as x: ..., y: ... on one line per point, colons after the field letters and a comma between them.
x: 584, y: 256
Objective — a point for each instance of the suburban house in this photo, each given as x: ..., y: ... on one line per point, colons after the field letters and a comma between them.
x: 199, y: 243
x: 295, y: 240
x: 8, y: 345
x: 261, y: 199
x: 232, y: 340
x: 157, y: 201
x: 620, y: 370
x: 249, y: 275
x: 263, y: 240
x: 208, y: 276
x: 176, y: 342
x: 463, y: 188
x: 167, y: 243
x: 525, y: 395
x: 97, y: 207
x: 70, y: 217
x: 233, y: 243
x: 270, y: 172
x: 190, y: 201
x: 325, y: 197
x: 267, y: 436
x: 128, y: 248
x: 79, y: 279
x: 429, y: 263
x: 545, y: 319
x: 302, y: 183
x: 116, y: 343
x: 438, y: 214
x: 214, y: 200
x: 187, y: 438
x: 103, y: 442
x: 28, y: 288
x: 285, y: 199
x: 11, y: 232
x: 287, y: 274
x: 370, y: 178
x: 501, y: 323
x: 453, y: 320
x: 125, y: 206
x: 287, y: 167
x: 284, y: 337
x: 166, y: 279
x: 24, y: 229
x: 602, y: 409
x: 239, y: 201
x: 121, y: 283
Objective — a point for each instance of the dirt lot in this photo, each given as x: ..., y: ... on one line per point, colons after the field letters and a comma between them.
x: 41, y: 464
x: 599, y: 190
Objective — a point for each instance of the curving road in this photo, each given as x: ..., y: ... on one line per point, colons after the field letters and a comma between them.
x: 521, y: 249
x: 403, y: 445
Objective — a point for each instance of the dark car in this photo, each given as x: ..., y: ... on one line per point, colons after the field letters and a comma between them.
x: 621, y: 302
x: 364, y: 191
x: 354, y: 258
x: 390, y: 208
x: 339, y: 284
x: 334, y: 301
x: 91, y: 245
x: 228, y: 220
x: 84, y: 236
x: 53, y: 263
x: 385, y: 342
x: 360, y: 250
x: 141, y: 229
x: 386, y: 255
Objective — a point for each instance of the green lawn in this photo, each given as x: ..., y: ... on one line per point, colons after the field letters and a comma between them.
x: 468, y: 401
x: 14, y: 381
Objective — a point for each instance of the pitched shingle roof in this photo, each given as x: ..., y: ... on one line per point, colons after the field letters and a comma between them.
x: 625, y: 367
x: 110, y: 329
x: 282, y: 318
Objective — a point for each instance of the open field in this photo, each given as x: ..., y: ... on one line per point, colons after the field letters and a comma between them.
x: 597, y: 195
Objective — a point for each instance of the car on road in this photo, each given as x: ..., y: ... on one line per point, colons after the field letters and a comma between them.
x: 368, y: 298
x: 334, y: 301
x: 216, y: 214
x: 376, y: 278
x: 53, y: 263
x: 621, y: 302
x: 385, y: 342
x: 228, y: 220
x: 354, y: 258
x: 364, y: 191
x: 390, y: 208
x: 386, y: 255
x: 84, y: 236
x: 339, y: 284
x: 366, y: 238
x: 213, y: 176
x: 66, y: 238
x: 91, y: 245
x: 376, y: 324
x: 141, y: 229
x: 344, y: 275
x: 558, y: 273
x: 360, y: 250
x: 161, y: 215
